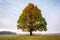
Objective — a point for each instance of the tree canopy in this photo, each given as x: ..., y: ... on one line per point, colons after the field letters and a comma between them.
x: 31, y: 19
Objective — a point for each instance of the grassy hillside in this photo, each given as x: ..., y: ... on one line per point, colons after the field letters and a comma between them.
x: 40, y: 37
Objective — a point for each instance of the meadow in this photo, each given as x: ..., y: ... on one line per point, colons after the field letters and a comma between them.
x: 34, y: 37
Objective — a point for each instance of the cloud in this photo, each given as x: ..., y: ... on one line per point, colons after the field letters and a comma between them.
x: 8, y: 23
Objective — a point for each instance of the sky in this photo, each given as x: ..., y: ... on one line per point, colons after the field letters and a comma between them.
x: 10, y: 10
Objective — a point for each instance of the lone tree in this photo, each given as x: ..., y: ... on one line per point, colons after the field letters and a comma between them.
x: 31, y: 19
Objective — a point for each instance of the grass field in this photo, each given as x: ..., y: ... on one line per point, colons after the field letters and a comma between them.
x: 40, y: 37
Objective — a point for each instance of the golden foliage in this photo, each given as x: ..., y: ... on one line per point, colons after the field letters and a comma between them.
x: 31, y: 15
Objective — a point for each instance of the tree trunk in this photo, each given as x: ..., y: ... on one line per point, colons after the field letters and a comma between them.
x: 30, y: 32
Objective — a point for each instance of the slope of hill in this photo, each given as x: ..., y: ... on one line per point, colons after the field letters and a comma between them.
x: 7, y: 33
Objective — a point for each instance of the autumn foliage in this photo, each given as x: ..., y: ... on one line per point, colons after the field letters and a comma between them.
x: 31, y: 19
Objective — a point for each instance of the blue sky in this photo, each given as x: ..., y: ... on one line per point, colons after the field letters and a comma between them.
x: 10, y: 10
